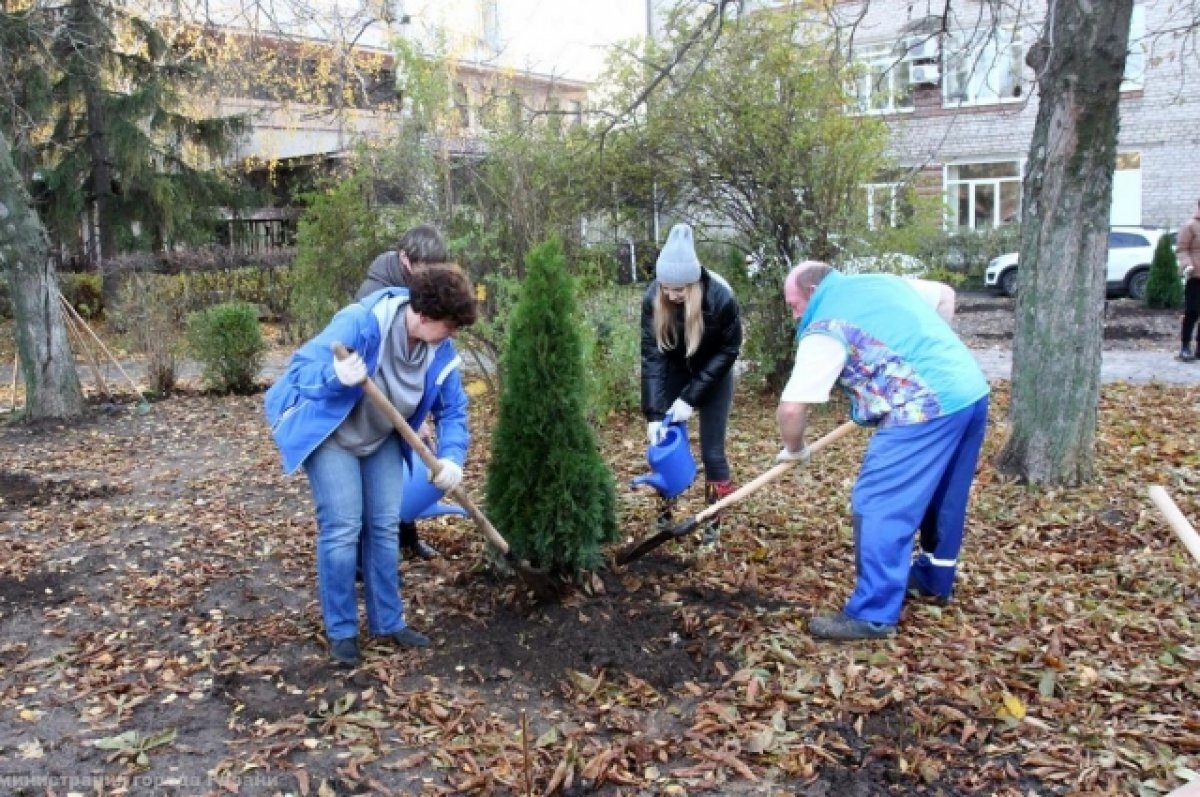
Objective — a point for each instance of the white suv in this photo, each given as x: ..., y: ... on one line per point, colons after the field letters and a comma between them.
x: 1130, y: 250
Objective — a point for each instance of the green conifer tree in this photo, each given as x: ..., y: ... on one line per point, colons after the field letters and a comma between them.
x: 548, y: 489
x: 1164, y: 288
x: 122, y: 133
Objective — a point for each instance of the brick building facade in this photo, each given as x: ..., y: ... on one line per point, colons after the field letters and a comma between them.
x: 962, y: 104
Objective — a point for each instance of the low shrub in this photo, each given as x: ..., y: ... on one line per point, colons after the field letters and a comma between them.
x: 968, y: 252
x: 226, y: 339
x: 612, y: 350
x: 152, y: 318
x: 84, y: 293
x: 1164, y: 288
x: 955, y: 279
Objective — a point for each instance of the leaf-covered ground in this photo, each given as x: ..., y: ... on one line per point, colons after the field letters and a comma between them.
x: 159, y: 632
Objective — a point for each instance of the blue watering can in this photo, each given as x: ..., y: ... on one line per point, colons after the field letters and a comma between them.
x: 671, y: 461
x: 421, y: 497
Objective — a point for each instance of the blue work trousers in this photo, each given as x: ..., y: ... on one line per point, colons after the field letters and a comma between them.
x: 915, y: 477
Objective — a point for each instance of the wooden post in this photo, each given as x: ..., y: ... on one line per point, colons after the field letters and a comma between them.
x: 72, y: 312
x: 16, y: 366
x: 76, y: 334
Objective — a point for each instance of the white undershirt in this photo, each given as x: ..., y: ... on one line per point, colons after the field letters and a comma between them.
x: 824, y: 357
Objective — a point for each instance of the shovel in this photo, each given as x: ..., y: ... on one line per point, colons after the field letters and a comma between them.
x: 737, y: 496
x: 539, y: 581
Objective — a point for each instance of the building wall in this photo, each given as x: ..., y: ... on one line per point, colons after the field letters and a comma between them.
x: 1159, y: 121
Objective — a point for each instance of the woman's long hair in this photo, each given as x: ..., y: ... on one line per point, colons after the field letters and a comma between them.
x: 693, y: 319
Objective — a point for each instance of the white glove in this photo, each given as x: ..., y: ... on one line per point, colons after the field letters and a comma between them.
x: 654, y: 432
x: 350, y: 371
x: 802, y: 456
x: 680, y: 411
x: 449, y: 475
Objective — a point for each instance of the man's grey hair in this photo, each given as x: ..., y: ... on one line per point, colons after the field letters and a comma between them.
x: 423, y: 244
x: 809, y: 274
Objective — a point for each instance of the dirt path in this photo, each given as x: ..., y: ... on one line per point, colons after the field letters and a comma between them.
x: 1139, y: 347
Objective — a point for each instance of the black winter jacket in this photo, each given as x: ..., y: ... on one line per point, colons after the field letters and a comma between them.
x: 719, y: 348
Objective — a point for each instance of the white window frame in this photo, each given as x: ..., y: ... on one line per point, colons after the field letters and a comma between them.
x: 1135, y: 59
x: 984, y: 67
x: 489, y: 25
x: 973, y: 184
x: 880, y: 195
x: 882, y: 74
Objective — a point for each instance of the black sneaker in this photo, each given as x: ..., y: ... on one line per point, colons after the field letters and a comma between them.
x: 664, y: 521
x: 840, y: 627
x: 1186, y: 355
x: 408, y: 638
x: 344, y: 652
x: 421, y: 550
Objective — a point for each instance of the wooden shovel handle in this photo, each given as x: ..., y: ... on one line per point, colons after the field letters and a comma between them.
x: 1176, y: 520
x: 431, y: 461
x: 748, y: 489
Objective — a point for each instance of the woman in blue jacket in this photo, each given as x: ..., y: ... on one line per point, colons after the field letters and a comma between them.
x: 355, y: 461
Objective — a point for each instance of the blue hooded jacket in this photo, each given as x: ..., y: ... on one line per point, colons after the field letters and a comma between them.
x: 307, y: 403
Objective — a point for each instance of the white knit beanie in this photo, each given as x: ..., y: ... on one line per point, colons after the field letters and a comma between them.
x: 677, y: 263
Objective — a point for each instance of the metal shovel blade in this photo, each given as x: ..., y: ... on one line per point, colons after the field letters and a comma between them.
x: 737, y: 496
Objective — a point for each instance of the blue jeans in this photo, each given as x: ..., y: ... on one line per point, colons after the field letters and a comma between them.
x: 358, y: 497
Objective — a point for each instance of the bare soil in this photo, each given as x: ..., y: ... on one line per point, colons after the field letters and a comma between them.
x: 986, y: 320
x: 157, y: 579
x: 158, y: 583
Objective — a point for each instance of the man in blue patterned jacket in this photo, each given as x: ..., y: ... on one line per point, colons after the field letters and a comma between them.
x: 906, y: 373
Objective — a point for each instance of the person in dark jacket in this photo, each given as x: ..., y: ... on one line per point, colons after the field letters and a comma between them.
x: 355, y: 460
x: 418, y: 247
x: 691, y: 337
x: 1187, y: 250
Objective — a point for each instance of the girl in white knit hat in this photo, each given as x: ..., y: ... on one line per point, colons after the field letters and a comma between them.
x: 691, y: 337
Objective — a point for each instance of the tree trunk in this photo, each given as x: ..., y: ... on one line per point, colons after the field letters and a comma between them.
x: 101, y: 177
x: 51, y: 383
x: 1064, y: 242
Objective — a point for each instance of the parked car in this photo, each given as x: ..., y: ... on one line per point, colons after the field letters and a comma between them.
x: 1130, y: 250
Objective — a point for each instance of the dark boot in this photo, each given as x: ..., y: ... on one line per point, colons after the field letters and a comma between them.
x: 713, y: 492
x: 408, y: 638
x: 841, y: 627
x: 412, y: 546
x: 344, y: 652
x: 421, y: 550
x: 666, y: 511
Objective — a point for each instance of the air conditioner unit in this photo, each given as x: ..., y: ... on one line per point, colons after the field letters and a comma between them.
x: 924, y: 73
x: 921, y: 48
